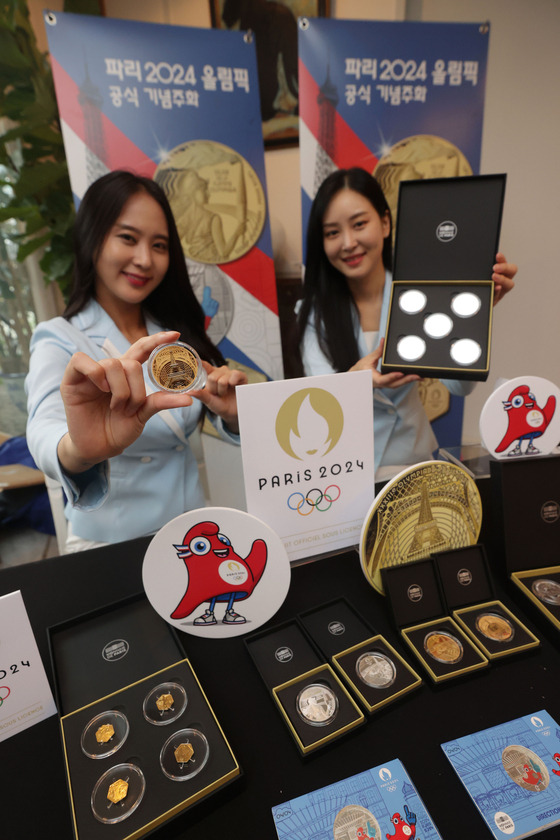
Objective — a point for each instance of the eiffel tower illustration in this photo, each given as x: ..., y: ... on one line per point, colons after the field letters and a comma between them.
x: 327, y: 99
x: 427, y: 535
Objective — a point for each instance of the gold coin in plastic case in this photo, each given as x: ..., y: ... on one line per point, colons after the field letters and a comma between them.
x: 104, y: 733
x: 495, y: 627
x: 176, y: 367
x: 443, y: 647
x: 117, y: 791
x: 317, y: 704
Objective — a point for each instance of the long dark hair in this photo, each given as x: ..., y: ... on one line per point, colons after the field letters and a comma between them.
x: 326, y: 294
x: 173, y: 304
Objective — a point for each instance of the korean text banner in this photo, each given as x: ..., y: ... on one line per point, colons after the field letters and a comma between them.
x: 181, y: 106
x: 307, y: 448
x: 402, y: 100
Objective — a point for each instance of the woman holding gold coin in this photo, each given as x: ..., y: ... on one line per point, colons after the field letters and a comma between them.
x: 343, y: 315
x: 120, y: 448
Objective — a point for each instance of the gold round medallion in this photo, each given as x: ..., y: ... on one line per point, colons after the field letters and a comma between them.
x: 217, y: 200
x: 176, y: 367
x: 495, y: 627
x: 432, y: 506
x: 443, y: 647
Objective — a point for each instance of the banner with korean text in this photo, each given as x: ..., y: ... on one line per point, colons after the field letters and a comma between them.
x: 180, y: 105
x: 403, y: 100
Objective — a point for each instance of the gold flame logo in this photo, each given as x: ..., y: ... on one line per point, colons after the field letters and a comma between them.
x: 309, y: 423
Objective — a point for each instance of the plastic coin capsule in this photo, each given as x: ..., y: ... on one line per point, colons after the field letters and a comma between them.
x: 98, y: 741
x: 176, y: 368
x: 118, y: 793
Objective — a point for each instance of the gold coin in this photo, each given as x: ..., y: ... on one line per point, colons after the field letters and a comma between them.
x: 117, y: 791
x: 432, y: 506
x: 494, y: 627
x: 416, y: 157
x: 164, y: 702
x: 183, y: 753
x: 104, y: 733
x: 176, y: 367
x: 217, y: 200
x: 443, y: 647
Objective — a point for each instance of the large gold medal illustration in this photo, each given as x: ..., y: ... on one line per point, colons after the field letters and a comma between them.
x: 432, y: 506
x: 217, y: 200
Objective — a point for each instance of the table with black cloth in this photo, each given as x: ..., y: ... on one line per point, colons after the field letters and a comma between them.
x: 33, y: 785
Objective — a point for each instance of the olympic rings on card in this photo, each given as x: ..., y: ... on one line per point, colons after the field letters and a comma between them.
x: 313, y: 500
x: 5, y: 696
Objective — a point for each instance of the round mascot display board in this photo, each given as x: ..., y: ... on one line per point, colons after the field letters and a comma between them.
x: 216, y: 572
x: 521, y: 418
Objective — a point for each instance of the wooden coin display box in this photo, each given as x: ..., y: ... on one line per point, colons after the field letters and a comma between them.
x: 288, y: 662
x: 418, y: 608
x: 99, y: 645
x: 526, y: 526
x: 344, y: 638
x: 440, y: 312
x: 469, y: 595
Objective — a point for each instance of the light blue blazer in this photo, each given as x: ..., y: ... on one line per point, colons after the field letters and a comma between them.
x: 135, y: 493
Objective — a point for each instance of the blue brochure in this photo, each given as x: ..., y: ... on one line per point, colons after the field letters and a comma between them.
x: 374, y: 805
x: 512, y: 773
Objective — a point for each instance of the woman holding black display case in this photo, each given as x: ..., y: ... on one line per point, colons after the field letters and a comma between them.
x: 343, y: 315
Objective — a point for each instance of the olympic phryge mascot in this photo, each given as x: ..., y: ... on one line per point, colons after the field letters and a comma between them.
x: 217, y: 573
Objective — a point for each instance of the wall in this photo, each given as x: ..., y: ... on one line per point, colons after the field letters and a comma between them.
x: 520, y: 137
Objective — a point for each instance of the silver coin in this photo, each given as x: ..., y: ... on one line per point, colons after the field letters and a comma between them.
x: 376, y: 669
x: 547, y: 591
x: 412, y: 301
x: 317, y: 704
x: 466, y: 351
x: 438, y: 325
x: 411, y: 348
x: 466, y: 304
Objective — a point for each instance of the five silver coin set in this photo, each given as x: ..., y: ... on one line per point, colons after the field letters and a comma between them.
x: 182, y: 756
x: 443, y: 327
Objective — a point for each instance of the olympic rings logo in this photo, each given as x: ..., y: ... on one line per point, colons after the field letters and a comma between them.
x: 5, y: 696
x: 322, y: 502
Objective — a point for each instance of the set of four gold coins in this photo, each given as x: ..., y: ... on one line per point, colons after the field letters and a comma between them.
x: 119, y: 791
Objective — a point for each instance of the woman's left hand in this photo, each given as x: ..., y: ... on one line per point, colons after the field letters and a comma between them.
x: 502, y: 275
x: 219, y: 393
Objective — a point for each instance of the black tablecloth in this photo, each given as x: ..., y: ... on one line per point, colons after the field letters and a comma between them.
x: 33, y: 785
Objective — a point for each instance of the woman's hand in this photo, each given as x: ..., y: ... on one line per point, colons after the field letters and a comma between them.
x: 502, y: 275
x: 395, y: 379
x: 219, y: 393
x: 106, y: 404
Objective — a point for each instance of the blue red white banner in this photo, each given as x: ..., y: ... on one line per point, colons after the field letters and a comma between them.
x: 403, y: 100
x: 180, y: 105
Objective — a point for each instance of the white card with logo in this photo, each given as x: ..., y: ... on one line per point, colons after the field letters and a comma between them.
x: 307, y: 447
x: 25, y: 694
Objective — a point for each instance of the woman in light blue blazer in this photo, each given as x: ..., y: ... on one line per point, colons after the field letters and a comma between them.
x: 119, y: 448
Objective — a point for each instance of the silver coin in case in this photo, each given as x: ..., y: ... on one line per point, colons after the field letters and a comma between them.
x: 376, y: 669
x: 317, y: 704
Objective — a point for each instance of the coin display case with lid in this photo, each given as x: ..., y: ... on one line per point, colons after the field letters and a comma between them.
x: 468, y: 590
x: 417, y: 605
x: 141, y: 742
x: 375, y: 672
x: 439, y: 321
x: 526, y: 530
x: 314, y: 703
